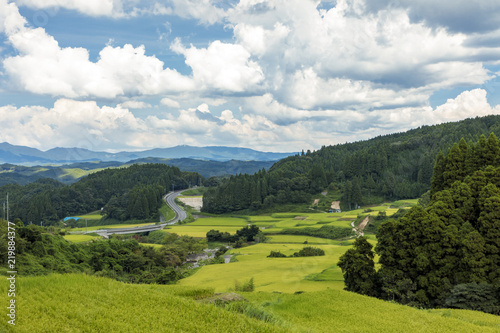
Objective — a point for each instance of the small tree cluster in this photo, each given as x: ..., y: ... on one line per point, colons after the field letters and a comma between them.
x: 447, y: 254
x: 246, y: 234
x: 307, y: 251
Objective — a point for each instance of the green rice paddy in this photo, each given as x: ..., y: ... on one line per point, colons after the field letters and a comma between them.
x: 81, y: 303
x: 80, y: 238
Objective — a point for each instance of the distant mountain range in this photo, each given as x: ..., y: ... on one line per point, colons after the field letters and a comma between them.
x: 32, y: 156
x: 70, y: 173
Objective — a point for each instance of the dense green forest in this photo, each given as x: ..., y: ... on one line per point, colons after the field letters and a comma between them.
x: 391, y: 167
x: 447, y: 254
x: 126, y: 193
x: 39, y: 252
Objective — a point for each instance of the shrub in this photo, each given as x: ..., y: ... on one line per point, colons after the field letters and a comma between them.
x: 276, y: 254
x: 472, y: 296
x: 326, y: 231
x: 309, y: 251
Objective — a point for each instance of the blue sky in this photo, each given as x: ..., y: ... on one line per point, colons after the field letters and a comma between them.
x: 273, y: 75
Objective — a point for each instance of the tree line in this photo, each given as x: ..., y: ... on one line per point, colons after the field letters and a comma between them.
x: 447, y: 254
x: 134, y: 192
x: 39, y: 253
x: 391, y: 167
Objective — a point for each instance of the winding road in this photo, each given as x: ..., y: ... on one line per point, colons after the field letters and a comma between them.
x: 180, y: 214
x: 169, y: 198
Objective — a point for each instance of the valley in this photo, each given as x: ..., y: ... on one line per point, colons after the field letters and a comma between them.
x: 294, y: 248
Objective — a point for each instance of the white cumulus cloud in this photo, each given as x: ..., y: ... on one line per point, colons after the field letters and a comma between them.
x: 222, y: 66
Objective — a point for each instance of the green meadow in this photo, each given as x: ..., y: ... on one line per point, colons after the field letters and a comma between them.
x: 270, y: 274
x: 201, y: 226
x: 90, y: 216
x: 81, y: 303
x: 287, y: 275
x: 80, y: 238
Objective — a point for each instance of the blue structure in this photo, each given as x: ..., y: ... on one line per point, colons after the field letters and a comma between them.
x: 72, y: 218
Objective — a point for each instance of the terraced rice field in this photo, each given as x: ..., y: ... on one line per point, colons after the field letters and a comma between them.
x: 278, y: 274
x: 270, y: 274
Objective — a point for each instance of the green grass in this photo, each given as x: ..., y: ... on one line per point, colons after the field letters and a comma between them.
x: 152, y: 245
x: 188, y: 196
x: 404, y: 203
x: 341, y: 311
x: 198, y: 231
x: 201, y: 226
x: 199, y: 191
x: 80, y: 303
x: 80, y: 238
x: 219, y: 221
x: 330, y: 274
x: 167, y: 212
x: 270, y: 274
x: 90, y: 216
x: 296, y: 239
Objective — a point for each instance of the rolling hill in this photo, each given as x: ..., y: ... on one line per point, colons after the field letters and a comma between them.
x: 30, y: 156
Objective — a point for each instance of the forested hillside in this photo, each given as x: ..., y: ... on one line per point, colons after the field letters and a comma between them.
x: 448, y: 254
x: 39, y: 252
x: 70, y: 173
x: 391, y: 167
x: 128, y: 193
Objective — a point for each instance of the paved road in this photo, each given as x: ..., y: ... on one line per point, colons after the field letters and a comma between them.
x: 180, y: 215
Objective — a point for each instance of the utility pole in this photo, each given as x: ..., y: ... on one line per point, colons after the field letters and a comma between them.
x: 3, y: 211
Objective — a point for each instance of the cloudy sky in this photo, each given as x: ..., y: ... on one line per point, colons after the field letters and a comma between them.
x: 273, y: 75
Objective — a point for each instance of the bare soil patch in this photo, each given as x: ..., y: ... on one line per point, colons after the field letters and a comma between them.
x: 196, y: 203
x: 363, y: 223
x: 224, y: 298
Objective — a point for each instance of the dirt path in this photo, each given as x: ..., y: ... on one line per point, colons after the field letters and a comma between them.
x: 363, y: 223
x: 359, y: 230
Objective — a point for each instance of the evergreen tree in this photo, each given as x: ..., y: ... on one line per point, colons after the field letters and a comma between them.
x: 358, y: 268
x: 347, y: 194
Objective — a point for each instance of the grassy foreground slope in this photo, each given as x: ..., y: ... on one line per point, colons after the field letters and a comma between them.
x: 80, y: 303
x: 342, y: 311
